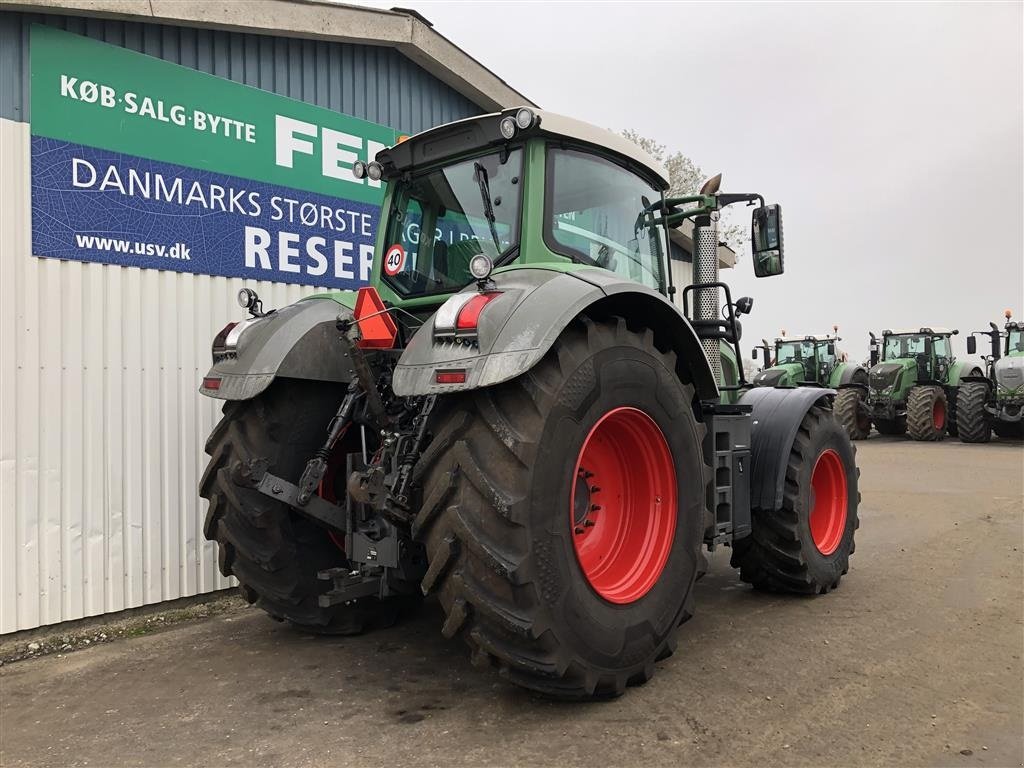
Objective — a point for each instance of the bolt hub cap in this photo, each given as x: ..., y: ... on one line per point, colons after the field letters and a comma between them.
x: 624, y: 505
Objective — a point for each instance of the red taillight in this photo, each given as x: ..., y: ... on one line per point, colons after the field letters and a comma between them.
x: 450, y: 377
x: 469, y: 315
x: 221, y: 339
x: 211, y: 383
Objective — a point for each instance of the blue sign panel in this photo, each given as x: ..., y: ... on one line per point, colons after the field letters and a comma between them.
x: 92, y: 204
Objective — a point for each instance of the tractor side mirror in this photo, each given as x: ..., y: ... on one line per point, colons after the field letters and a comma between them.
x: 766, y: 240
x: 972, y: 345
x: 831, y: 349
x: 753, y: 354
x: 743, y: 305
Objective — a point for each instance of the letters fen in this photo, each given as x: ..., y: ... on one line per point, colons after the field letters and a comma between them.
x: 141, y: 162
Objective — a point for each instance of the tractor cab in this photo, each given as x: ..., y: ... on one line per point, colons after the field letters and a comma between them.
x: 797, y: 360
x: 515, y: 189
x: 926, y: 350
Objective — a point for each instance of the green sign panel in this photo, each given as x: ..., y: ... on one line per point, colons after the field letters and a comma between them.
x: 143, y: 163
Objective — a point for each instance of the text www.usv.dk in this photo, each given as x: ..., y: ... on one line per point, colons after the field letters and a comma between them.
x: 136, y: 247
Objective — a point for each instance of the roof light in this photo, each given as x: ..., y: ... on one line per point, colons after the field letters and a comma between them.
x: 375, y: 171
x: 525, y: 118
x: 507, y: 126
x: 480, y: 266
x: 359, y: 169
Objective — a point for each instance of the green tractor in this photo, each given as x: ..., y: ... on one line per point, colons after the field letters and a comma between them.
x: 994, y: 402
x: 807, y: 360
x: 516, y: 417
x: 912, y: 387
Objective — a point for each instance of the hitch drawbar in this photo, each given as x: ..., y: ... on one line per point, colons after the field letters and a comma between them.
x: 253, y: 474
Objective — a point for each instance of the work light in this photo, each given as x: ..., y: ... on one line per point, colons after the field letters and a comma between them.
x: 525, y: 118
x: 480, y: 266
x: 507, y: 126
x: 359, y: 169
x: 247, y: 298
x: 374, y: 170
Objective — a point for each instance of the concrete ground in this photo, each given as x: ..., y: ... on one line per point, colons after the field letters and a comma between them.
x: 915, y: 660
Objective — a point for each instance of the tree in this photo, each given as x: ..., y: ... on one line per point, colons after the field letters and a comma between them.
x: 685, y: 178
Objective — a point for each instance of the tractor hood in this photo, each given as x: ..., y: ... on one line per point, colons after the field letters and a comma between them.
x: 1010, y: 373
x: 778, y: 376
x: 886, y: 376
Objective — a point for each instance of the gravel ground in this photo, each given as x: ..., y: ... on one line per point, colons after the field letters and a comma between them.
x: 915, y: 660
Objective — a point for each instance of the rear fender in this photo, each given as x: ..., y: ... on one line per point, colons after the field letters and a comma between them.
x: 776, y: 418
x: 962, y: 369
x: 298, y: 341
x: 846, y: 374
x: 518, y: 328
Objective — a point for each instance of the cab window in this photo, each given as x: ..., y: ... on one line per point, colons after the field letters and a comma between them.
x: 595, y: 215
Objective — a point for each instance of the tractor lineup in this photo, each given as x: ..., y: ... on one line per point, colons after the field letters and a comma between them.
x: 912, y: 386
x: 517, y: 417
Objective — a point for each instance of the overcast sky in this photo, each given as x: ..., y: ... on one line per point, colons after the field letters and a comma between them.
x: 891, y: 134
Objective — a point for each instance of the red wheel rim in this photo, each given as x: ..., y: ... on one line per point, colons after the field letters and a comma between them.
x: 623, y: 505
x: 939, y: 414
x: 828, y: 502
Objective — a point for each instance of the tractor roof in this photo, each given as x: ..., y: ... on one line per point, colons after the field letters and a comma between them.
x: 480, y: 131
x: 811, y: 337
x: 925, y: 330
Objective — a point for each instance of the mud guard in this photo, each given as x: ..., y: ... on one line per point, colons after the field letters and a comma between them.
x: 847, y: 372
x: 533, y: 308
x: 298, y: 341
x: 775, y: 420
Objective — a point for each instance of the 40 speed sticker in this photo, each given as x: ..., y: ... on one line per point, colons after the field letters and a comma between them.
x: 394, y: 259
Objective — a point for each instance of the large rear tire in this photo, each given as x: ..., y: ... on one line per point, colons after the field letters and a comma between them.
x: 805, y: 546
x: 927, y: 413
x: 274, y: 552
x: 554, y: 543
x: 849, y: 411
x: 972, y: 423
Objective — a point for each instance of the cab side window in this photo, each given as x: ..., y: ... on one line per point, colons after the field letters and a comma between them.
x: 595, y: 215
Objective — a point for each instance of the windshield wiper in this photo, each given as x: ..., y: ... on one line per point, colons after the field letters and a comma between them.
x: 485, y: 195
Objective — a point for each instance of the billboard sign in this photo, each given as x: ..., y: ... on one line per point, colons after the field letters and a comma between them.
x: 143, y: 163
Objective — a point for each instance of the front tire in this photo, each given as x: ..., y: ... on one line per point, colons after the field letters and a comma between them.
x: 849, y: 411
x: 972, y: 422
x: 927, y: 413
x: 805, y: 546
x: 521, y: 483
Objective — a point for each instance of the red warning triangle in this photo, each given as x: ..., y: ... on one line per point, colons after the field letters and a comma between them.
x: 376, y: 327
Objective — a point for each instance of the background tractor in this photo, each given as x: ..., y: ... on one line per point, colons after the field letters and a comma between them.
x: 995, y: 401
x: 912, y: 387
x: 817, y: 361
x: 515, y: 417
x: 806, y: 360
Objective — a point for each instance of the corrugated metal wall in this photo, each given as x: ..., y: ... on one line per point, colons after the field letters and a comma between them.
x: 371, y: 82
x: 101, y: 427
